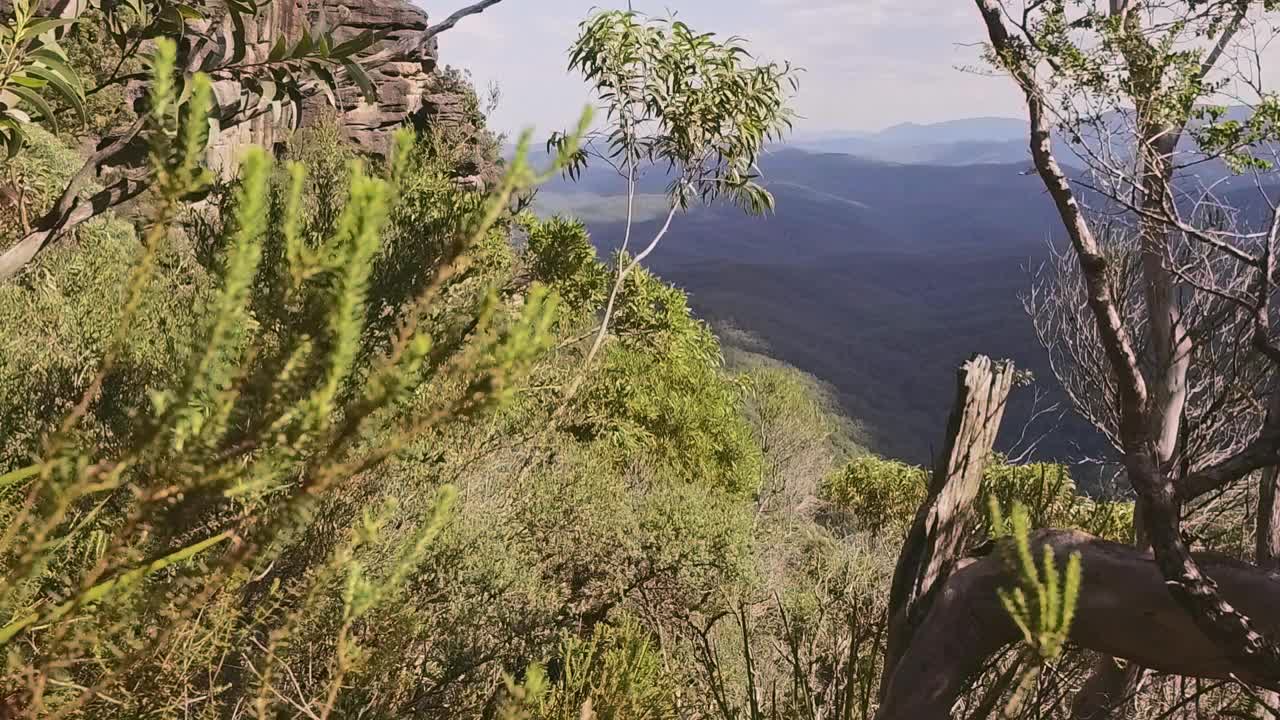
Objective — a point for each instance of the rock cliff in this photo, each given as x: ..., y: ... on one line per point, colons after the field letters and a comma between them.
x: 409, y: 88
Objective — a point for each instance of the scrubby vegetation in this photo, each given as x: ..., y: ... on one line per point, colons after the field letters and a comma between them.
x: 358, y: 435
x: 295, y: 455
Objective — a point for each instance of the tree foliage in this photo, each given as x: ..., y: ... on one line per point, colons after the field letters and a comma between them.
x: 685, y: 101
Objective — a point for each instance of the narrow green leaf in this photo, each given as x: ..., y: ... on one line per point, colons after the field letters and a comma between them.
x: 42, y: 26
x: 361, y: 80
x: 33, y: 99
x: 16, y: 476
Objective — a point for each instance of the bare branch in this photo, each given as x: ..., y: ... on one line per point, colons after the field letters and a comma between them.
x: 448, y: 23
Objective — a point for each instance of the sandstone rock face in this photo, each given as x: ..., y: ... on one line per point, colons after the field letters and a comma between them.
x: 407, y: 85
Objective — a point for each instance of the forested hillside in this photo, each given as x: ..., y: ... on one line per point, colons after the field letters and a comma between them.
x: 312, y: 406
x: 878, y: 278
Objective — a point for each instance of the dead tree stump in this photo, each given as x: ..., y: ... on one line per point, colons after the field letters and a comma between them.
x: 947, y: 515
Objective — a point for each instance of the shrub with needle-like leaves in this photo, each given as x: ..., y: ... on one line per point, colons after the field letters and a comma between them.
x: 196, y: 506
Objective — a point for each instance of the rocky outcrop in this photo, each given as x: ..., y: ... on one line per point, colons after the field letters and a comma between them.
x: 406, y: 83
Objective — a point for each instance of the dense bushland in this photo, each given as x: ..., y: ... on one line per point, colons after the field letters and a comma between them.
x: 349, y: 436
x: 682, y: 542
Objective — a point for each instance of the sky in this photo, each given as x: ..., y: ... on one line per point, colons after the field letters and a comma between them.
x: 868, y: 64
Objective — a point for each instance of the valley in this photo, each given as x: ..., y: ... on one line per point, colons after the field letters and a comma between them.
x: 877, y: 277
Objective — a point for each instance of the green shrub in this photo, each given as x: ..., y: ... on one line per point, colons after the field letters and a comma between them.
x: 662, y: 393
x: 1048, y: 494
x: 881, y: 494
x: 616, y: 673
x: 885, y: 494
x: 235, y: 513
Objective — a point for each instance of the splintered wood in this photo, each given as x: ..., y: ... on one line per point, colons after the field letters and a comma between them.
x: 947, y: 514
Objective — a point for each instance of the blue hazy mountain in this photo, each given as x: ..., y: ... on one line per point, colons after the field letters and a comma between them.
x: 955, y: 142
x: 878, y: 278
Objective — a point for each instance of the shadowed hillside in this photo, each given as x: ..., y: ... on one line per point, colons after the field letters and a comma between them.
x: 876, y: 277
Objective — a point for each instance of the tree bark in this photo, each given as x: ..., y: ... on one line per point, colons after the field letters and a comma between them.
x: 1192, y: 588
x: 1112, y: 682
x: 1169, y: 345
x: 945, y: 518
x: 1125, y: 610
x: 1267, y: 547
x: 1268, y: 542
x: 1110, y: 686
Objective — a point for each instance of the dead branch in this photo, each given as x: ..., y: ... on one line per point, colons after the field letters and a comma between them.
x: 1125, y: 610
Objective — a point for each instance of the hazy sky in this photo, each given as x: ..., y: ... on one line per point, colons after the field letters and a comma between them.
x: 868, y: 63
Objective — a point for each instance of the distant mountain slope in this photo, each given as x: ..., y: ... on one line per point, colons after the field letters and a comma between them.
x: 981, y: 129
x: 877, y: 278
x: 958, y: 142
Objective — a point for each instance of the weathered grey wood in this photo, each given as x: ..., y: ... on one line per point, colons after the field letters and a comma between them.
x: 1267, y: 549
x: 1125, y: 610
x: 946, y: 516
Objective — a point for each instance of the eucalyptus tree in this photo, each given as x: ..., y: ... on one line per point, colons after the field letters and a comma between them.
x: 678, y: 101
x: 1159, y: 316
x: 1177, y: 281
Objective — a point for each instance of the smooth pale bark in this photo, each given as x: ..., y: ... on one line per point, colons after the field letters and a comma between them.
x: 1125, y: 610
x: 1169, y: 345
x: 946, y: 516
x: 1268, y: 542
x: 1267, y: 547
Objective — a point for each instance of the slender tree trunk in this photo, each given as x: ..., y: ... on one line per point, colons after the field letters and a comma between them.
x: 1113, y: 681
x: 1267, y: 548
x: 1268, y: 542
x: 1170, y: 347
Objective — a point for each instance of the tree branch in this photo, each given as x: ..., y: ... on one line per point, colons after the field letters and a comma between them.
x: 1124, y: 611
x: 1196, y: 592
x: 449, y: 22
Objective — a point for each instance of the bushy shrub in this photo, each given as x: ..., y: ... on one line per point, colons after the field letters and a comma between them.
x: 559, y: 251
x: 32, y: 180
x: 59, y: 317
x: 881, y: 494
x: 885, y: 494
x: 233, y: 527
x: 662, y: 392
x: 616, y: 673
x: 1051, y: 499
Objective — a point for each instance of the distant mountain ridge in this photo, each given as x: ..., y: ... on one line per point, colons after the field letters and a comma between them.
x: 954, y: 142
x: 878, y: 278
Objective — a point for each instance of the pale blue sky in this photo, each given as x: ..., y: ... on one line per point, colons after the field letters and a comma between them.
x: 869, y: 63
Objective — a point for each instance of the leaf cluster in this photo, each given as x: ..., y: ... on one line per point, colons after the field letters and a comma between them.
x: 687, y: 101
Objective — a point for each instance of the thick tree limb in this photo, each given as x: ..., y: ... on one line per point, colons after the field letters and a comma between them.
x: 82, y: 210
x: 70, y: 209
x: 1124, y: 611
x: 1195, y: 591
